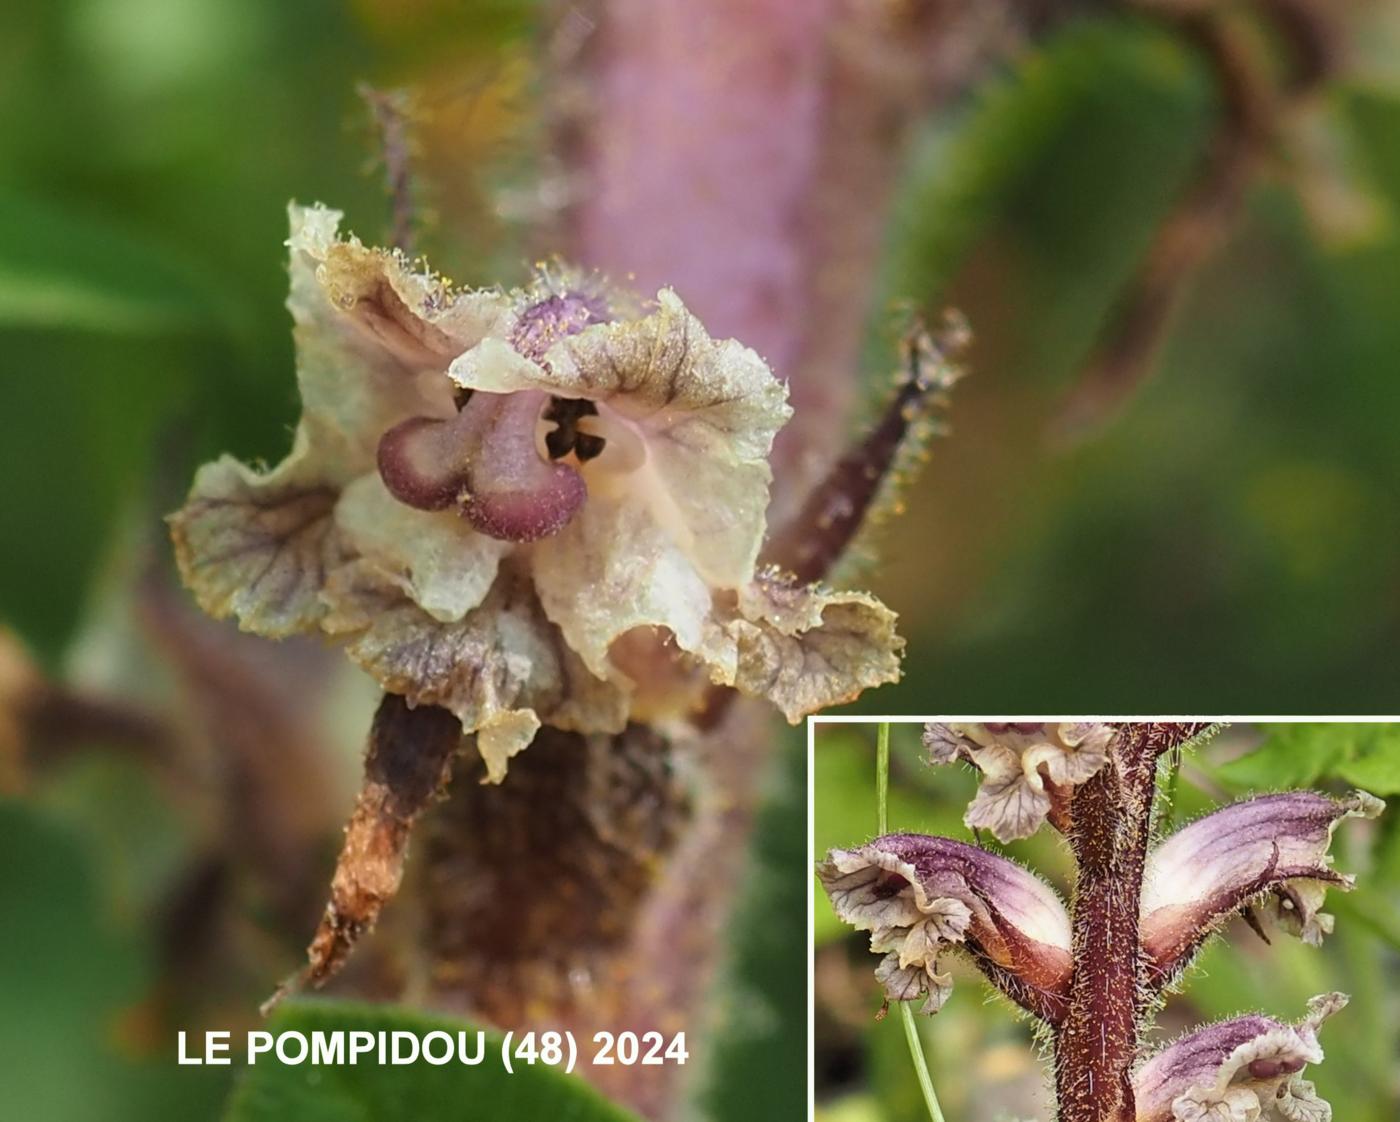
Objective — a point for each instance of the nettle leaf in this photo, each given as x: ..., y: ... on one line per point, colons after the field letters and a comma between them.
x: 368, y: 1092
x: 1292, y: 755
x: 963, y: 175
x: 1375, y: 760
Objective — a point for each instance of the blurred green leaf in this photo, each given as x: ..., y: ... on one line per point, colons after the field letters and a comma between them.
x: 852, y: 1108
x: 1371, y: 909
x: 82, y: 430
x: 58, y: 966
x: 964, y: 176
x: 1375, y: 762
x: 60, y: 270
x: 1304, y: 754
x: 1293, y: 755
x: 275, y: 1092
x: 1012, y: 147
x: 759, y: 1066
x: 70, y: 979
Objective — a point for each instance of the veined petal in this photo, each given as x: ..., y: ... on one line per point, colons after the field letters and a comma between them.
x: 436, y: 558
x: 258, y: 545
x: 1009, y: 803
x: 918, y: 894
x: 1207, y: 871
x: 1018, y: 761
x: 373, y: 340
x: 803, y: 647
x: 613, y: 569
x: 1238, y: 1070
x: 1298, y: 1101
x: 503, y: 669
x: 909, y: 983
x: 943, y: 742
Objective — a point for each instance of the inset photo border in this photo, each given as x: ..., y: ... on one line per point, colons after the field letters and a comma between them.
x: 1104, y: 919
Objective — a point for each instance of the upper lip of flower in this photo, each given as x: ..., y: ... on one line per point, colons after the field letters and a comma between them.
x: 1025, y: 767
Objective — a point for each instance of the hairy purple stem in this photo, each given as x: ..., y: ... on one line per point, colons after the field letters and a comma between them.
x: 1096, y: 1044
x: 743, y: 152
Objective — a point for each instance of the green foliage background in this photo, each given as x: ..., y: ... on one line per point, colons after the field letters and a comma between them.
x: 1231, y: 542
x: 982, y: 1056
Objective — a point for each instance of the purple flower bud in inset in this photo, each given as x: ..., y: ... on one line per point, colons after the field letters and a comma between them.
x: 1023, y: 764
x: 1241, y: 1070
x: 1275, y: 845
x: 918, y: 896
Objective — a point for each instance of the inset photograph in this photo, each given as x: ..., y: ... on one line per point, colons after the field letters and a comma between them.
x: 1100, y: 920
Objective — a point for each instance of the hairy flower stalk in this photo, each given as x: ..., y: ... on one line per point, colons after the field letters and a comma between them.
x: 1093, y: 973
x: 1111, y: 820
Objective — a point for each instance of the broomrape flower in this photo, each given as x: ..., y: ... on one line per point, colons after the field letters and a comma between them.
x: 919, y: 896
x: 1272, y: 849
x: 543, y: 505
x: 1024, y: 765
x: 1241, y: 1070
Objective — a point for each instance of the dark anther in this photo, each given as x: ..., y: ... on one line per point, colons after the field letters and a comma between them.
x: 565, y: 412
x: 588, y: 445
